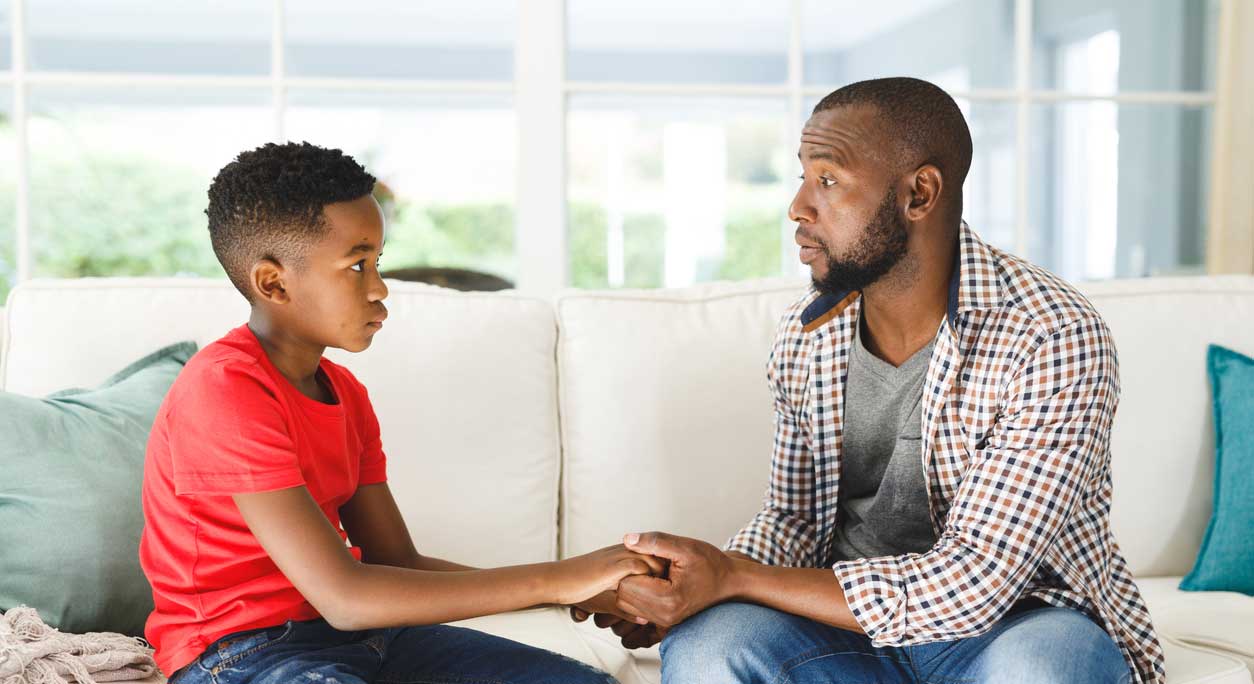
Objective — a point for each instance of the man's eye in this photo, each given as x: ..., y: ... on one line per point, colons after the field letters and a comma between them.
x: 359, y: 266
x: 827, y: 182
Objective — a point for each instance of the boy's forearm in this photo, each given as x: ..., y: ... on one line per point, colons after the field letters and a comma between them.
x: 437, y: 565
x: 414, y: 561
x: 377, y: 596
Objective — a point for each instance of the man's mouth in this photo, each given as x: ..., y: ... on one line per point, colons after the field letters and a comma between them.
x: 809, y: 254
x: 810, y: 249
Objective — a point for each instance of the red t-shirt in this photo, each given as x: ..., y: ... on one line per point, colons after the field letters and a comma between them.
x: 232, y: 424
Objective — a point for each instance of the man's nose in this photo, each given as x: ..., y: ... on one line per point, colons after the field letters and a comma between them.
x: 801, y: 209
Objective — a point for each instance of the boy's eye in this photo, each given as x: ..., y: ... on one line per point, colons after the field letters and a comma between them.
x: 360, y: 266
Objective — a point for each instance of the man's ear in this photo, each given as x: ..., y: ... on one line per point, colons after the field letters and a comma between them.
x: 925, y: 191
x: 267, y: 279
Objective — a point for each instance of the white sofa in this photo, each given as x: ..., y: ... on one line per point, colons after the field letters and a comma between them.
x: 522, y: 429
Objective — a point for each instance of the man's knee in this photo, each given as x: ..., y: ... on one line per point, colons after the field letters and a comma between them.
x: 724, y: 643
x: 1054, y: 646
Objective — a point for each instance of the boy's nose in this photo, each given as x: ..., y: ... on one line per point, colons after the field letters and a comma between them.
x: 379, y: 291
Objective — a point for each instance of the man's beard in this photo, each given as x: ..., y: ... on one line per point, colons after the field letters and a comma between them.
x: 881, y: 247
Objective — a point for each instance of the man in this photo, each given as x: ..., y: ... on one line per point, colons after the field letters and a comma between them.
x: 938, y: 508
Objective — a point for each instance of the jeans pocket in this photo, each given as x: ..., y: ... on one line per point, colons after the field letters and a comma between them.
x: 233, y: 648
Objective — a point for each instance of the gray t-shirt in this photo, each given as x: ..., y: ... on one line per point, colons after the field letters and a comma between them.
x: 883, y: 497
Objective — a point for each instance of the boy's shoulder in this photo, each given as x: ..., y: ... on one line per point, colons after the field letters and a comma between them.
x: 228, y: 365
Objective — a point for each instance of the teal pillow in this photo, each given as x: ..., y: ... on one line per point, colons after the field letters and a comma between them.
x: 70, y: 515
x: 1226, y: 561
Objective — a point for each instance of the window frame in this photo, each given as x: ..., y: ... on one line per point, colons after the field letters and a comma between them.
x: 541, y: 91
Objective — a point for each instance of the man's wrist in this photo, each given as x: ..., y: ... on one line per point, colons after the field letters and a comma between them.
x: 739, y: 581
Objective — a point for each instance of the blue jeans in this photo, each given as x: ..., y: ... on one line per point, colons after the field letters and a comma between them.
x: 313, y: 652
x: 740, y: 642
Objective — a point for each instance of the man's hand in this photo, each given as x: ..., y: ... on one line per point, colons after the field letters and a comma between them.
x: 634, y: 631
x: 700, y: 575
x: 604, y: 603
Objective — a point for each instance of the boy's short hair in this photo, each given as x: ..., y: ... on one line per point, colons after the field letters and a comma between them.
x: 268, y: 202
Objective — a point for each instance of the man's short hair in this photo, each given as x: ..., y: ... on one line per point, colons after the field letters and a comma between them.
x: 923, y: 120
x: 268, y: 202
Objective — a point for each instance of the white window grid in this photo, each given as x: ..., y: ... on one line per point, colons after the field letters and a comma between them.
x: 540, y: 90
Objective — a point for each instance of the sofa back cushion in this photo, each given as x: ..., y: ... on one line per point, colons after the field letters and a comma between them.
x: 1163, y: 438
x: 464, y: 385
x: 666, y: 417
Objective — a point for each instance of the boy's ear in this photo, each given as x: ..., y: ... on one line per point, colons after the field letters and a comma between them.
x: 266, y: 277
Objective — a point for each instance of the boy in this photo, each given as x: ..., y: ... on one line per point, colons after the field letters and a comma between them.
x: 265, y: 459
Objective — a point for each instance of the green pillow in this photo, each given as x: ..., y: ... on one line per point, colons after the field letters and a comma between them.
x: 1226, y: 561
x: 70, y: 515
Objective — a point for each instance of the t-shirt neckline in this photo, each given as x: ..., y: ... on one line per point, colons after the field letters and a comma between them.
x: 306, y: 403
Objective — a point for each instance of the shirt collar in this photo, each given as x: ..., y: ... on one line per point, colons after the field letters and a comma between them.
x: 973, y: 286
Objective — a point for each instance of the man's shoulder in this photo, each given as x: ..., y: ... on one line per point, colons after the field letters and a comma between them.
x: 1042, y: 300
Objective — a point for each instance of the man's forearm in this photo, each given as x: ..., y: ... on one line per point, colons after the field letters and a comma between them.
x: 813, y: 593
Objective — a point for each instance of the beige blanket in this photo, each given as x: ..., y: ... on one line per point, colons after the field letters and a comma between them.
x: 31, y: 652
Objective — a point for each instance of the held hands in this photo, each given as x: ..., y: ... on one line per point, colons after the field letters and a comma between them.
x: 584, y: 577
x: 697, y: 575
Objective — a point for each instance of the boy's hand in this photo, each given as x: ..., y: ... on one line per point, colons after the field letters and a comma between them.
x: 583, y: 577
x: 604, y: 603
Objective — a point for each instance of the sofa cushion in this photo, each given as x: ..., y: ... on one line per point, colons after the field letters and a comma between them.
x: 1217, y: 620
x: 1162, y: 443
x: 70, y: 516
x: 666, y: 415
x: 464, y: 384
x: 1226, y: 561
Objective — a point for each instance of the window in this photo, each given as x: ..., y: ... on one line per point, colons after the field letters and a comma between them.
x: 673, y: 138
x: 118, y: 178
x: 216, y: 37
x: 399, y: 39
x: 8, y: 196
x: 672, y: 191
x: 446, y: 166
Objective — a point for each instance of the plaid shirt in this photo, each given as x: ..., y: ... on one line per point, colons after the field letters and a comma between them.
x: 1017, y: 408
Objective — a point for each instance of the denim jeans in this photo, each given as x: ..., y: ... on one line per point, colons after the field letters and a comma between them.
x: 314, y: 652
x: 739, y: 642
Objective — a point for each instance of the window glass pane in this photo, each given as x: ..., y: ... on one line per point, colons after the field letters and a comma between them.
x: 447, y: 165
x: 119, y: 179
x: 5, y: 37
x: 433, y: 39
x: 1106, y: 46
x: 227, y: 37
x: 988, y: 197
x: 665, y: 192
x: 698, y: 41
x: 8, y: 197
x: 1120, y: 190
x: 957, y: 44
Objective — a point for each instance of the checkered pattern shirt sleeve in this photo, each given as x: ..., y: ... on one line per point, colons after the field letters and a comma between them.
x: 1012, y: 503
